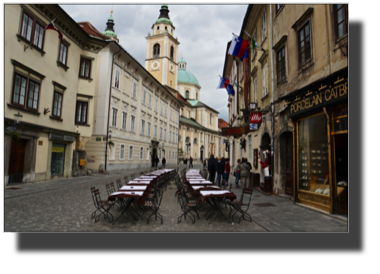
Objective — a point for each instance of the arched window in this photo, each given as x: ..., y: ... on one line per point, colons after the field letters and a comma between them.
x: 172, y: 52
x: 195, y: 141
x: 158, y: 28
x: 210, y: 118
x: 156, y: 51
x: 187, y: 94
x: 196, y: 96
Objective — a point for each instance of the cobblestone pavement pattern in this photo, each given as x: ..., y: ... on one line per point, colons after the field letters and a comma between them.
x: 65, y: 205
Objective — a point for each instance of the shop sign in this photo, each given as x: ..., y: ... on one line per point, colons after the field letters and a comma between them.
x: 61, y: 137
x: 235, y: 131
x: 256, y: 117
x: 58, y: 149
x: 225, y: 141
x: 320, y: 98
x: 253, y: 126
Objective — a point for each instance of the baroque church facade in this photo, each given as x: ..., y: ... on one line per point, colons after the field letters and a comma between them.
x: 199, y: 135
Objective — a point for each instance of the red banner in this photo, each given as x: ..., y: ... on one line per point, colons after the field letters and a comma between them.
x: 256, y: 117
x: 236, y: 131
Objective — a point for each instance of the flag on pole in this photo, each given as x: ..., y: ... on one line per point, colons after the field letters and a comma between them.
x: 52, y: 27
x: 238, y: 46
x: 245, y: 55
x: 255, y: 44
x: 230, y: 90
x: 223, y: 83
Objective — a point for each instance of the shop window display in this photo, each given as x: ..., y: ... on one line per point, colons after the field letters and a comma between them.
x: 313, y: 155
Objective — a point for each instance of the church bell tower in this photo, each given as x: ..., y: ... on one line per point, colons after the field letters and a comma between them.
x: 162, y: 50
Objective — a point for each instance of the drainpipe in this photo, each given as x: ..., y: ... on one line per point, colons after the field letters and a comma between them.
x: 237, y: 93
x: 109, y: 105
x: 272, y: 101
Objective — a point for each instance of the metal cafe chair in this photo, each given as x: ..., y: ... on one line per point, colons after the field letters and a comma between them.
x: 153, y: 205
x: 244, y: 202
x: 118, y: 183
x: 126, y: 179
x: 102, y: 206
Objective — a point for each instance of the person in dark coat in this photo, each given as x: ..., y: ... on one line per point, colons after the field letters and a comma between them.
x: 212, y: 167
x: 156, y: 161
x: 163, y: 161
x: 227, y: 170
x: 191, y: 162
x: 221, y: 168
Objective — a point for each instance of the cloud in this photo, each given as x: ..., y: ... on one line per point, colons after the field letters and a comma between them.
x: 202, y: 30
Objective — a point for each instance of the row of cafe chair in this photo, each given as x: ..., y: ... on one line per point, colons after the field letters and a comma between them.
x: 190, y: 202
x: 152, y: 198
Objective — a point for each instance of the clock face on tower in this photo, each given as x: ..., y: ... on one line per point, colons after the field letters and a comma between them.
x: 155, y: 65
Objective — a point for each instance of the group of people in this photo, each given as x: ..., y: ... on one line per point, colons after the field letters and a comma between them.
x: 190, y: 162
x: 242, y: 170
x: 156, y: 161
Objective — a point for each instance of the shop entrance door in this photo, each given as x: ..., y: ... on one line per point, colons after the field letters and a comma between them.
x: 341, y: 173
x: 16, y: 161
x: 289, y: 164
x: 57, y: 159
x: 202, y: 148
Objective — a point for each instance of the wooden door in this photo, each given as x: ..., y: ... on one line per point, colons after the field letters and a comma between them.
x: 16, y: 161
x: 289, y: 164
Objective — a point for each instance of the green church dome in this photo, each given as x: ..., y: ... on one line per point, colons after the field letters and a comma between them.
x: 186, y: 77
x: 110, y: 30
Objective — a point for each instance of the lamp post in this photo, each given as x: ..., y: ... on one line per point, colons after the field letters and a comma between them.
x: 252, y: 106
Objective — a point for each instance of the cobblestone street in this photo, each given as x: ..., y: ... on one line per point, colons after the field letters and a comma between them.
x: 65, y: 205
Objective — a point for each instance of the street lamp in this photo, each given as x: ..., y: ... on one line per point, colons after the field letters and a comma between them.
x: 17, y: 118
x: 252, y: 106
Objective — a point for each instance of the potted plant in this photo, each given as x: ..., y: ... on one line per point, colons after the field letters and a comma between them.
x: 110, y: 143
x: 15, y: 136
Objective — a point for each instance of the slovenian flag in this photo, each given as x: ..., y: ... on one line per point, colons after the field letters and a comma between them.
x: 223, y: 83
x: 245, y: 55
x: 230, y: 90
x: 52, y: 27
x: 238, y: 46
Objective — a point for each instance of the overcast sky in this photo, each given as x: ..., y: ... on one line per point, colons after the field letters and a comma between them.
x: 202, y: 30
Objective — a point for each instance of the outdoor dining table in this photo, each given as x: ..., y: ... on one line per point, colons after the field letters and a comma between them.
x: 215, y: 198
x: 133, y: 188
x: 127, y: 198
x: 191, y: 183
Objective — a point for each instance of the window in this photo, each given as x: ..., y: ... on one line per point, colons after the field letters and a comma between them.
x: 188, y: 114
x: 187, y: 94
x: 134, y: 92
x: 264, y: 79
x: 171, y: 114
x: 114, y: 117
x: 29, y: 24
x: 254, y: 90
x: 196, y: 96
x: 164, y: 134
x: 281, y: 64
x: 117, y: 79
x: 172, y: 52
x: 150, y: 99
x: 158, y: 28
x: 148, y: 131
x: 210, y: 118
x: 19, y: 90
x: 166, y: 110
x: 170, y: 154
x: 160, y: 133
x: 170, y: 136
x: 263, y: 26
x: 130, y: 152
x: 63, y: 54
x: 156, y: 106
x: 180, y: 138
x: 340, y: 20
x: 122, y: 151
x: 124, y: 121
x: 144, y: 96
x: 304, y: 52
x: 33, y: 93
x: 187, y: 128
x: 142, y: 127
x: 141, y: 153
x: 81, y: 112
x: 156, y: 51
x: 132, y: 123
x: 57, y: 104
x: 162, y: 107
x: 85, y: 67
x: 155, y: 131
x: 147, y: 153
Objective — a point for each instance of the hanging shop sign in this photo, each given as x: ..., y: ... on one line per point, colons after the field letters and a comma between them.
x: 327, y: 94
x: 254, y: 126
x: 256, y: 117
x: 235, y: 131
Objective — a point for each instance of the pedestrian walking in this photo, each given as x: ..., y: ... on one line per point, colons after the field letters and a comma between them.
x: 244, y: 174
x: 185, y: 161
x: 266, y: 162
x: 237, y: 173
x: 227, y: 169
x: 191, y: 162
x: 220, y: 169
x: 204, y: 164
x: 163, y: 162
x: 157, y: 161
x: 212, y: 167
